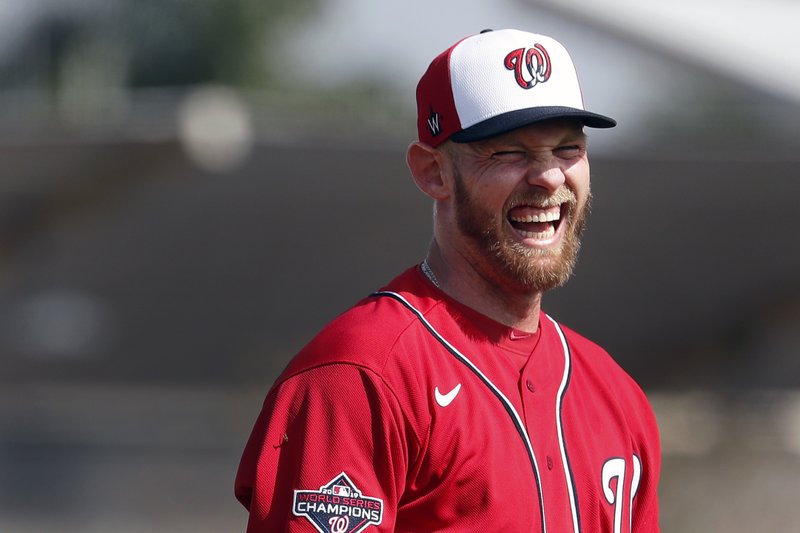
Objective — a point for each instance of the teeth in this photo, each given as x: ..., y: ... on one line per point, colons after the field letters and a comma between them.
x: 543, y: 217
x: 539, y: 235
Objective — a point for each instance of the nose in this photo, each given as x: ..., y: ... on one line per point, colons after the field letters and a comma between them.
x: 549, y: 177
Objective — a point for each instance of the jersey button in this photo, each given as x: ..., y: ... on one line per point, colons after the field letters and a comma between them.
x: 529, y: 386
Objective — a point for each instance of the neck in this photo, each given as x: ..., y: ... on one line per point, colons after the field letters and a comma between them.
x: 462, y: 281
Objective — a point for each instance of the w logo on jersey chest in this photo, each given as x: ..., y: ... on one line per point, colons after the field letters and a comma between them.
x: 617, y: 483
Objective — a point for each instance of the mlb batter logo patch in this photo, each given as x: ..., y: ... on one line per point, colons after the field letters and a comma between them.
x: 338, y: 507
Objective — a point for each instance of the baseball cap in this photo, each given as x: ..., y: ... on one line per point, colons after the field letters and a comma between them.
x: 497, y: 81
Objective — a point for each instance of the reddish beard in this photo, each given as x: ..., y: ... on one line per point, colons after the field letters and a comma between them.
x: 510, y: 261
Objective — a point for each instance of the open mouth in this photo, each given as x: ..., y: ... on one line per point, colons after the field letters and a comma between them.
x: 535, y: 222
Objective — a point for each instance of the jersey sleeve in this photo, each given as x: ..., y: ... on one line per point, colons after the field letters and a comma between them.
x: 330, y: 444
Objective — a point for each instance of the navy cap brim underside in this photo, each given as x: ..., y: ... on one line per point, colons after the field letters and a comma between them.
x: 523, y: 117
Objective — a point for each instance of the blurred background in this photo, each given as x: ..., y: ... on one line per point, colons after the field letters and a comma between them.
x: 189, y: 190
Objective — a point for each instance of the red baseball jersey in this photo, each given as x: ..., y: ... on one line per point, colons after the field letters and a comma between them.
x: 413, y: 413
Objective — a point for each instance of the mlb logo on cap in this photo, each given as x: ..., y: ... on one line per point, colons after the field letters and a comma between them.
x: 497, y: 81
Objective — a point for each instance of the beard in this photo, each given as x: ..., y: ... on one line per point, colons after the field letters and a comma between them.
x: 510, y: 261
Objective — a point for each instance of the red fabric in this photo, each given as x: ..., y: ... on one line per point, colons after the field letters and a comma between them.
x: 435, y: 102
x: 359, y: 400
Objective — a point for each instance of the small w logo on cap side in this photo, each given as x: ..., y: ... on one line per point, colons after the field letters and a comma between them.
x: 434, y: 124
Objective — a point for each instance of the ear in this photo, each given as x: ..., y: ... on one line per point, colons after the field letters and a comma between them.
x: 428, y: 167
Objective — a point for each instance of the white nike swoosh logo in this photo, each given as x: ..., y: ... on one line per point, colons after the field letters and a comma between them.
x: 445, y: 399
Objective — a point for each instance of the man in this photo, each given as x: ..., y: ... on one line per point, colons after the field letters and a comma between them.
x: 448, y: 401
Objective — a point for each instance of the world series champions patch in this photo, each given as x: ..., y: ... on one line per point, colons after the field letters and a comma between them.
x: 338, y: 507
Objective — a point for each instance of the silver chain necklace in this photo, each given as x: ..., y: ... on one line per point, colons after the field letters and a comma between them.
x: 426, y: 269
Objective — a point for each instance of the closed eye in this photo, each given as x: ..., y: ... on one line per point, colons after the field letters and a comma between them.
x: 509, y: 155
x: 570, y: 151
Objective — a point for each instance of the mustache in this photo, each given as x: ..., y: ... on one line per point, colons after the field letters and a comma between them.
x: 562, y: 195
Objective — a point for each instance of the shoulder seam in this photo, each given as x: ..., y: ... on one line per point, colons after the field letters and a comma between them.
x: 365, y: 368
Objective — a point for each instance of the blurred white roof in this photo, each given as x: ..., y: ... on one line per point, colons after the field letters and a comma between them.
x: 753, y: 41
